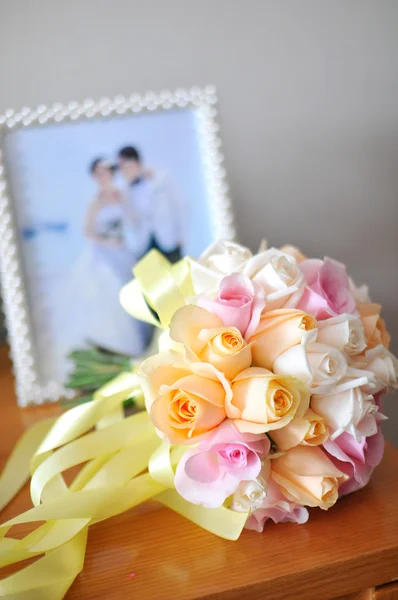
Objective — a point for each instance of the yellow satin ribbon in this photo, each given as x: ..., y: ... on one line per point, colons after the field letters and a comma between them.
x: 162, y: 286
x: 125, y: 463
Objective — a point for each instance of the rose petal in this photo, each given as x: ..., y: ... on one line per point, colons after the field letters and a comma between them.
x: 208, y: 494
x: 203, y: 467
x: 188, y: 321
x: 334, y: 282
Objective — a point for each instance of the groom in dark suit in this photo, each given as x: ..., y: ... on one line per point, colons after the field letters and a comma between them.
x: 157, y: 208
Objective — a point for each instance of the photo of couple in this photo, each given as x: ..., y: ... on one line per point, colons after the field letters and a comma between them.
x: 92, y: 198
x: 147, y: 214
x: 123, y: 222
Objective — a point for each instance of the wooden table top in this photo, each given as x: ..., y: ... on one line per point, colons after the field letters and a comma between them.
x: 349, y: 548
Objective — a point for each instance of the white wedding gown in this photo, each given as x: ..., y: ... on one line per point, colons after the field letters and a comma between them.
x: 86, y: 304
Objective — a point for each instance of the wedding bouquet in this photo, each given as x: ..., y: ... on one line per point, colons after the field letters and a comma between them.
x: 264, y: 399
x: 270, y: 378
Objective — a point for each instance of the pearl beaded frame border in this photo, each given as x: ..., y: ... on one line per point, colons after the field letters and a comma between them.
x: 20, y: 334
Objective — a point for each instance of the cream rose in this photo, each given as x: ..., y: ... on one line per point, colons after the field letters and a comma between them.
x: 250, y: 495
x: 278, y: 331
x: 384, y: 366
x: 203, y: 333
x: 262, y: 401
x: 319, y: 366
x: 276, y: 507
x: 220, y: 259
x: 309, y: 430
x: 184, y: 400
x: 344, y: 332
x: 381, y: 367
x: 279, y: 276
x: 307, y: 476
x: 348, y: 408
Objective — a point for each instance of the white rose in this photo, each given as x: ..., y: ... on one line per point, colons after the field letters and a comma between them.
x: 279, y: 276
x: 349, y: 408
x: 249, y: 495
x: 381, y: 367
x: 319, y: 366
x: 344, y: 332
x: 218, y: 260
x: 384, y: 365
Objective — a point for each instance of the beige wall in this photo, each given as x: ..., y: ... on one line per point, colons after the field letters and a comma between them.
x: 308, y: 105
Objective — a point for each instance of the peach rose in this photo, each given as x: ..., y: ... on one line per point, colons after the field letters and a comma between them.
x: 278, y: 331
x: 374, y: 326
x: 307, y: 476
x: 184, y: 400
x: 205, y: 335
x: 295, y: 252
x: 309, y: 430
x: 262, y: 401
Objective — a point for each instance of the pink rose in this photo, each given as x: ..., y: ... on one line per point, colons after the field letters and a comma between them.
x: 327, y: 293
x: 277, y: 507
x: 208, y: 474
x: 355, y: 459
x: 238, y: 303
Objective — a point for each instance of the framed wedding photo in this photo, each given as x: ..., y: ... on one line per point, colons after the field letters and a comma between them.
x: 85, y: 191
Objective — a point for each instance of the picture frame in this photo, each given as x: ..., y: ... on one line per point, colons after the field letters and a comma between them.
x: 201, y: 102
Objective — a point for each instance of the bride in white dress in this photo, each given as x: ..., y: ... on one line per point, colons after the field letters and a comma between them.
x: 88, y: 308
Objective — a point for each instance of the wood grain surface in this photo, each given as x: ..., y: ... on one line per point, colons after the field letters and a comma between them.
x: 342, y: 552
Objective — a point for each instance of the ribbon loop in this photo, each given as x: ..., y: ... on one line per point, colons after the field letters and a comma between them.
x: 162, y: 286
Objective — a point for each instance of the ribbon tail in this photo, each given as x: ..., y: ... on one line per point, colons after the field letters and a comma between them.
x: 16, y: 471
x: 224, y: 522
x: 51, y: 576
